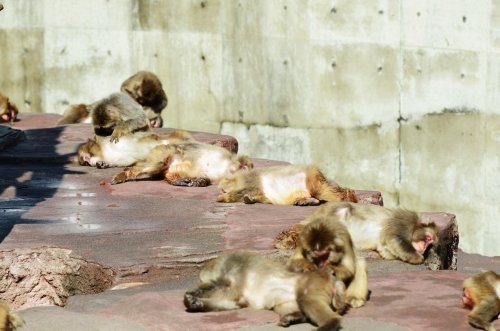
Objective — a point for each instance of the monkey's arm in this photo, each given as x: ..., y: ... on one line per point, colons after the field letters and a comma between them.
x: 298, y: 263
x: 129, y: 126
x: 399, y: 247
x: 484, y: 312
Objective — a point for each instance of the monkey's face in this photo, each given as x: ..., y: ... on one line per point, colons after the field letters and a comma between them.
x: 322, y: 246
x: 425, y: 237
x: 86, y: 152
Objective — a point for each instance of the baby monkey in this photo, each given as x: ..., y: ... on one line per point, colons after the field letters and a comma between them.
x: 282, y: 185
x: 326, y: 244
x: 9, y: 320
x: 100, y: 152
x: 246, y: 279
x: 8, y: 110
x: 482, y: 294
x: 393, y: 233
x: 186, y: 164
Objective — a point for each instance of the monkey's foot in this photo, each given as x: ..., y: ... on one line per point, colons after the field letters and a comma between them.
x: 415, y: 259
x: 290, y: 319
x: 191, y: 182
x: 248, y: 199
x: 306, y: 202
x: 101, y: 165
x: 356, y: 302
x: 192, y: 303
x: 119, y: 178
x: 301, y: 265
x: 287, y: 239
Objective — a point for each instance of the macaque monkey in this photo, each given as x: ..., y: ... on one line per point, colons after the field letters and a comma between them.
x: 79, y: 113
x: 393, y: 233
x: 187, y: 164
x: 118, y: 115
x: 8, y: 110
x: 326, y: 243
x: 146, y: 88
x: 482, y: 294
x: 245, y: 279
x: 100, y: 152
x: 282, y: 185
x: 9, y: 320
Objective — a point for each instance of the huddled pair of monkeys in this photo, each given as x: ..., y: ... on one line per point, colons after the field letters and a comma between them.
x: 324, y: 274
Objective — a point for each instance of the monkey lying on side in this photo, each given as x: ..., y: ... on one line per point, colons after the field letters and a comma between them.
x: 482, y: 295
x: 393, y: 233
x: 326, y: 243
x: 144, y: 87
x: 8, y: 110
x: 100, y: 152
x: 9, y: 320
x: 282, y: 185
x: 245, y: 279
x: 186, y: 164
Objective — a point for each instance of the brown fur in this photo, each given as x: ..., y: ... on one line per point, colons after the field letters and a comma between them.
x: 248, y: 187
x: 8, y: 110
x: 324, y: 243
x: 400, y: 230
x: 118, y: 115
x: 75, y: 114
x: 479, y: 295
x: 182, y: 164
x: 138, y: 145
x: 224, y: 285
x: 9, y: 320
x: 146, y: 88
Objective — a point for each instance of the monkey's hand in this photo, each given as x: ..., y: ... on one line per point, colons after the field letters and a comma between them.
x: 300, y: 265
x: 416, y: 258
x: 118, y: 132
x: 102, y: 165
x: 119, y: 178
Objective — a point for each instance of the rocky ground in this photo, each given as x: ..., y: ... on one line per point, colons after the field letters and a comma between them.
x: 79, y: 254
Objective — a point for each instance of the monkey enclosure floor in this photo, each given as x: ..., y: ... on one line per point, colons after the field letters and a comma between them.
x: 157, y: 235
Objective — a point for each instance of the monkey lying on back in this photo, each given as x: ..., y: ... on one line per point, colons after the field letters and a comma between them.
x: 186, y: 164
x: 245, y: 279
x: 144, y: 87
x: 393, y: 233
x: 100, y: 152
x: 282, y: 185
x: 8, y: 110
x: 326, y: 243
x: 482, y: 295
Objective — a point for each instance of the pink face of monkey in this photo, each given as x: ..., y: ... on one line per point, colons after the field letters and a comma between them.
x: 428, y: 240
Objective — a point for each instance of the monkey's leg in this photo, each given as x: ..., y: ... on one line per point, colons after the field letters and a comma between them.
x: 483, y: 313
x: 245, y: 195
x: 357, y: 291
x: 339, y: 297
x: 182, y: 179
x: 317, y: 308
x: 211, y: 297
x: 404, y: 250
x: 148, y: 171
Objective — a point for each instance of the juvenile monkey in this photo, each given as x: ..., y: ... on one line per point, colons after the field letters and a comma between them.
x: 78, y: 113
x: 9, y: 320
x: 482, y: 294
x: 146, y: 88
x: 118, y: 115
x: 393, y: 233
x: 282, y: 185
x: 8, y: 110
x: 186, y: 164
x: 100, y: 152
x: 326, y: 243
x: 245, y: 279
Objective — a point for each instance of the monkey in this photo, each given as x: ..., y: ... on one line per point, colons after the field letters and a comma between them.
x: 393, y: 233
x: 187, y: 164
x: 246, y: 279
x: 118, y: 115
x: 146, y: 88
x: 481, y: 294
x: 8, y: 110
x: 300, y: 185
x: 78, y: 113
x: 326, y: 243
x: 9, y: 320
x: 101, y: 153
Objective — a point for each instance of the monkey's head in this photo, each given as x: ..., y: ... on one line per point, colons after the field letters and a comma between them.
x: 146, y: 88
x: 244, y: 163
x: 104, y: 119
x: 322, y: 244
x: 86, y: 151
x: 424, y: 236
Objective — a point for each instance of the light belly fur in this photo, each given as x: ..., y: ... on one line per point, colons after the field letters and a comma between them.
x: 278, y: 188
x: 126, y: 151
x: 268, y: 291
x: 365, y: 234
x: 213, y: 164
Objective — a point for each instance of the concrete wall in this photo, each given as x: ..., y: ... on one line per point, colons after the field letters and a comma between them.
x: 400, y: 96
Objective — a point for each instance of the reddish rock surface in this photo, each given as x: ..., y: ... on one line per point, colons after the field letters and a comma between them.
x: 155, y: 234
